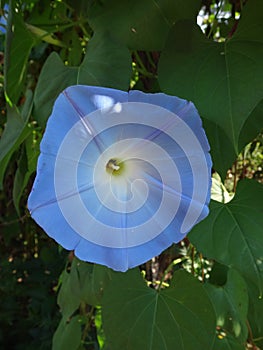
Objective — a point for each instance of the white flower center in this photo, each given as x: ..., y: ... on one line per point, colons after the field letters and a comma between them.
x: 112, y: 165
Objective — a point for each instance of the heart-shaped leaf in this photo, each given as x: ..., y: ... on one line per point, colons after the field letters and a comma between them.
x: 138, y: 317
x: 141, y: 25
x: 232, y: 233
x: 217, y: 75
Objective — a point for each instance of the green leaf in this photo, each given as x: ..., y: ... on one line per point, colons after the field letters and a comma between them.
x: 232, y: 233
x: 223, y: 79
x: 68, y: 300
x: 67, y: 335
x: 231, y: 305
x: 15, y: 132
x: 255, y: 314
x: 252, y: 127
x: 18, y: 47
x: 141, y: 25
x: 107, y: 63
x: 26, y: 166
x: 99, y: 328
x: 91, y: 279
x: 84, y: 283
x: 43, y: 35
x: 138, y: 317
x: 222, y: 150
x: 20, y: 178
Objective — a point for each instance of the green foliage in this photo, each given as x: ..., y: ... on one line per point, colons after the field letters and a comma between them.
x: 141, y: 25
x: 15, y: 132
x: 94, y: 70
x: 68, y: 334
x: 83, y: 283
x: 150, y: 45
x: 19, y: 43
x: 230, y: 301
x: 138, y: 317
x: 232, y: 233
x: 216, y: 76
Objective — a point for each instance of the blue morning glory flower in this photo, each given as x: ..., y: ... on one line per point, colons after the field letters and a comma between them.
x: 3, y: 19
x: 121, y: 176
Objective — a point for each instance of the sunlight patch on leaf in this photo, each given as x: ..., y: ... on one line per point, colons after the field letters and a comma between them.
x: 218, y: 191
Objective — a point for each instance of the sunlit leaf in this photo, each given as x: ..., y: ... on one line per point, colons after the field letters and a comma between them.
x: 232, y: 233
x: 138, y: 317
x: 218, y: 191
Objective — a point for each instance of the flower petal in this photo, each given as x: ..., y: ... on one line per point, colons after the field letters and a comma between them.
x: 121, y: 176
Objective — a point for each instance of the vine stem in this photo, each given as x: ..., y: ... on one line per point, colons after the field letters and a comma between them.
x: 142, y: 69
x: 89, y: 319
x: 202, y: 266
x: 235, y: 177
x: 14, y: 221
x: 250, y: 335
x: 169, y: 267
x: 192, y: 260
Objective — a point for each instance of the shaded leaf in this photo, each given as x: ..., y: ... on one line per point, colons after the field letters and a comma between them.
x: 255, y: 314
x: 68, y: 300
x: 107, y: 63
x: 141, y: 25
x: 15, y: 132
x: 138, y: 317
x: 26, y: 167
x: 222, y: 150
x: 217, y: 76
x: 18, y: 47
x: 231, y: 305
x: 232, y: 233
x: 252, y: 127
x: 84, y: 283
x: 92, y: 279
x: 67, y: 335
